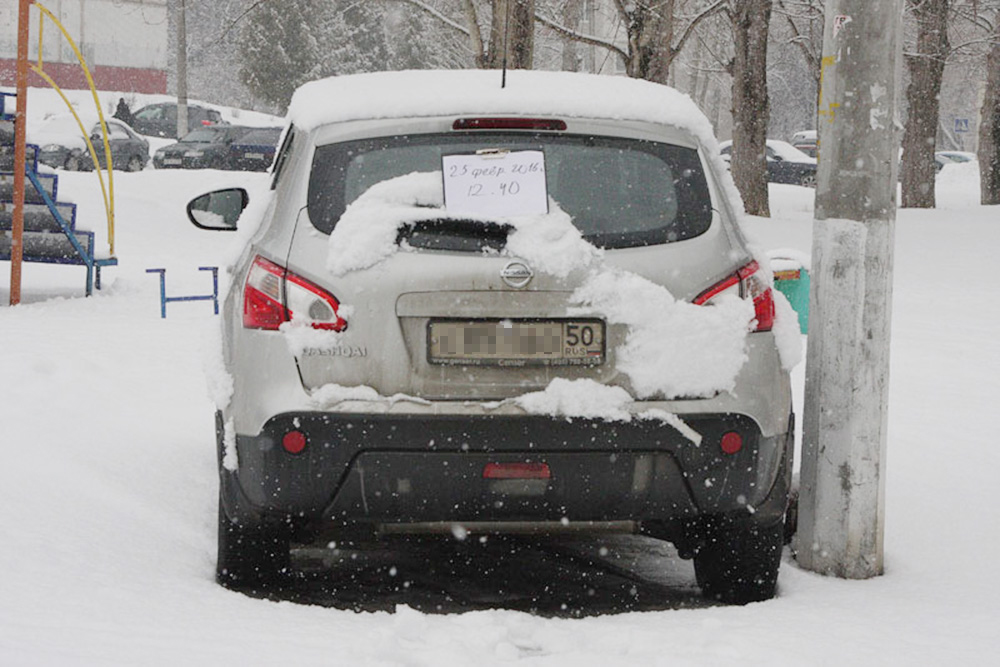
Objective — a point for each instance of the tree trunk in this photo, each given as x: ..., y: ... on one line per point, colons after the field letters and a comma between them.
x: 651, y: 35
x: 922, y: 96
x: 572, y: 14
x: 751, y: 106
x: 512, y: 34
x: 989, y: 130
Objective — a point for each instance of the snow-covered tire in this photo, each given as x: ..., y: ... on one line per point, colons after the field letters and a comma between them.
x: 808, y: 181
x: 739, y: 560
x: 250, y: 553
x: 72, y: 163
x: 135, y: 163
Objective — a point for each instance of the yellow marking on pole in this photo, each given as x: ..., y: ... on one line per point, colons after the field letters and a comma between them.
x: 109, y: 195
x: 832, y: 107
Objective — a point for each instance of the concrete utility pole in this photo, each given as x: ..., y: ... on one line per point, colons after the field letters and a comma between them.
x: 842, y: 501
x: 182, y: 76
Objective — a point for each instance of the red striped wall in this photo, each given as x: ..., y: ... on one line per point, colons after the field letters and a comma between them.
x: 71, y: 77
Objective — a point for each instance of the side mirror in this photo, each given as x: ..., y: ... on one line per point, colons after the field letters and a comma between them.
x: 218, y: 210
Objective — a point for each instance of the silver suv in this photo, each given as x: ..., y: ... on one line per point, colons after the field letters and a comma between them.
x: 474, y: 309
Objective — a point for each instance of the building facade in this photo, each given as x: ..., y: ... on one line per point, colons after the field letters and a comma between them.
x: 124, y: 43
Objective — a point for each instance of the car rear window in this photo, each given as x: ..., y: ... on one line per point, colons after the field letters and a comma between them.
x: 620, y: 192
x: 203, y: 136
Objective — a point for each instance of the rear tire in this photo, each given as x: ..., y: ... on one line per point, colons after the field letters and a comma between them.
x: 738, y: 561
x: 135, y: 163
x: 250, y: 553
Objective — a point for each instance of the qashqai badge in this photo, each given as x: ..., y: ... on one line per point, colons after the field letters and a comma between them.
x: 517, y: 274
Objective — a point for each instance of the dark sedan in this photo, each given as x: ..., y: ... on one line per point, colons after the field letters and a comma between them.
x: 129, y: 151
x: 254, y: 151
x: 785, y: 163
x: 204, y: 148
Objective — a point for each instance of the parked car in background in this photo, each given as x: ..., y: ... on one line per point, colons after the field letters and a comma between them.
x: 203, y: 148
x: 954, y: 157
x: 160, y: 120
x: 472, y: 312
x: 254, y: 151
x: 785, y: 163
x: 61, y: 145
x: 806, y: 141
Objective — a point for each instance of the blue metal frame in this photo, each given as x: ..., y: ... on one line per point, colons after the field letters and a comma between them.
x: 164, y: 299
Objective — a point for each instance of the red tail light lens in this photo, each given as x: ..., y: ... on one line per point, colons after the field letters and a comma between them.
x: 751, y: 285
x: 272, y: 295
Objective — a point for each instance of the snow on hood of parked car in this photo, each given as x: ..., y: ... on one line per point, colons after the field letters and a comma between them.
x: 419, y: 93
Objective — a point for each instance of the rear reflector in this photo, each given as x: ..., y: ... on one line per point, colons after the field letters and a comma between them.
x: 517, y: 471
x: 294, y: 442
x: 509, y: 124
x: 732, y: 442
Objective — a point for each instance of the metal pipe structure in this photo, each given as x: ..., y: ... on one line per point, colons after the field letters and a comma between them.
x: 20, y: 152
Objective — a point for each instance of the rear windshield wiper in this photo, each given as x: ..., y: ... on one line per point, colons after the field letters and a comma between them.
x: 456, y: 234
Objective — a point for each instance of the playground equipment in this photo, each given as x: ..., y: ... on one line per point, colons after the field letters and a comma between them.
x: 164, y: 299
x: 34, y: 226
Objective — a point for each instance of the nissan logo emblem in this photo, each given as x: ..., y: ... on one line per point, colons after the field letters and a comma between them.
x: 517, y: 274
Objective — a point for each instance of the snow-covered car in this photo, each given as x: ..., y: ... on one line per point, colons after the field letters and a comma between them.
x: 472, y: 309
x: 62, y: 146
x: 785, y: 163
x: 806, y: 141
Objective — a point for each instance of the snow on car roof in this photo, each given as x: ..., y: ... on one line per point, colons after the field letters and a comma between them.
x: 417, y: 93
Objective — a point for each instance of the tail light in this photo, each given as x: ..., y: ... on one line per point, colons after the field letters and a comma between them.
x: 273, y: 294
x: 750, y: 285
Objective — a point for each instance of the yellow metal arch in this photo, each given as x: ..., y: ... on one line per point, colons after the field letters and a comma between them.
x: 109, y: 191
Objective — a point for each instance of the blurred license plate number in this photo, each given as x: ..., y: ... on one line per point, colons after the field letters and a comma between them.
x: 254, y: 156
x: 517, y: 343
x: 172, y: 160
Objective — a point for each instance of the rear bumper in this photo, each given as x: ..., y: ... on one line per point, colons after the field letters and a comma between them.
x: 411, y: 468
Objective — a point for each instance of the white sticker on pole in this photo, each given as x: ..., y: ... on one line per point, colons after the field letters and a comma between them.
x: 495, y: 183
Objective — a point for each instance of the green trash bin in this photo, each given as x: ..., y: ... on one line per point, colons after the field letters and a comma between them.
x: 791, y: 278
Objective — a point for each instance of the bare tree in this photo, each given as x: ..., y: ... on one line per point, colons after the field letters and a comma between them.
x: 656, y: 33
x: 751, y: 105
x: 926, y: 67
x: 989, y: 127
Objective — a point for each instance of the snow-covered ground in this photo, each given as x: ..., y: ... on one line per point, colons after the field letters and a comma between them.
x: 108, y: 482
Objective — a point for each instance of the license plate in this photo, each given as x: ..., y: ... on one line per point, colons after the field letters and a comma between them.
x: 254, y: 156
x: 516, y: 342
x: 172, y: 160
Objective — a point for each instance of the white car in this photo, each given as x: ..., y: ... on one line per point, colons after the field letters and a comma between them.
x: 474, y: 309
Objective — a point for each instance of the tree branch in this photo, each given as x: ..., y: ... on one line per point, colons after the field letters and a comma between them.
x: 427, y: 9
x: 575, y: 36
x: 719, y: 6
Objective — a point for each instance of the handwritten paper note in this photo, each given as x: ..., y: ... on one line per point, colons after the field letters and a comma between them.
x: 497, y: 183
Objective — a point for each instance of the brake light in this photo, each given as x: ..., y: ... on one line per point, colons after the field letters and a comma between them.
x: 509, y: 124
x: 273, y: 294
x: 517, y: 471
x: 750, y: 286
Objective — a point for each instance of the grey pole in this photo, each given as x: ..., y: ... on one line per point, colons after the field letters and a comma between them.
x: 182, y: 90
x: 842, y: 495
